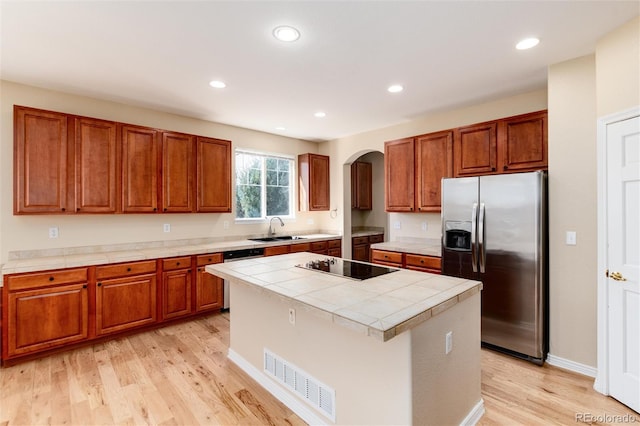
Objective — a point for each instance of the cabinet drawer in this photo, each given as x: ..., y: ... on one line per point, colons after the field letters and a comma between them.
x: 125, y: 269
x: 378, y: 238
x: 274, y: 251
x: 423, y: 261
x: 176, y: 263
x: 297, y: 248
x: 40, y: 279
x: 335, y: 244
x: 386, y: 256
x: 208, y: 259
x: 356, y: 241
x: 318, y: 246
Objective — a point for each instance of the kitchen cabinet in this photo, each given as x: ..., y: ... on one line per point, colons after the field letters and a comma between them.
x: 399, y: 182
x: 140, y: 167
x: 361, y: 183
x: 178, y: 172
x: 475, y: 149
x: 176, y: 287
x: 313, y: 187
x: 334, y: 248
x: 387, y: 258
x: 361, y: 246
x: 298, y: 248
x: 96, y: 183
x: 434, y: 161
x: 44, y: 310
x: 40, y: 161
x: 276, y: 250
x: 423, y: 263
x: 213, y: 175
x: 209, y: 288
x: 125, y: 296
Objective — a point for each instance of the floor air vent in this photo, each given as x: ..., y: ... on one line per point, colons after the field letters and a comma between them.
x: 315, y: 393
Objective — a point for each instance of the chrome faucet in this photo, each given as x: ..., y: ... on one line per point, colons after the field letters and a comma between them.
x: 272, y: 231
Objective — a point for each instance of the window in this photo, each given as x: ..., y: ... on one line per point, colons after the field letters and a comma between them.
x: 264, y: 185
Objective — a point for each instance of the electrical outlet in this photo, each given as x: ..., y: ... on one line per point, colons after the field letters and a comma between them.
x: 424, y: 226
x: 53, y: 232
x: 571, y: 238
x: 448, y: 342
x: 292, y: 316
x: 225, y: 224
x: 396, y: 224
x: 167, y: 227
x: 309, y: 221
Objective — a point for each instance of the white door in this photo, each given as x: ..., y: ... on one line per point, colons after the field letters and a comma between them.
x: 623, y: 258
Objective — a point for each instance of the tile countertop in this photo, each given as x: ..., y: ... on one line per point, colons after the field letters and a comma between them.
x: 365, y: 233
x: 424, y: 246
x: 380, y: 307
x: 104, y: 255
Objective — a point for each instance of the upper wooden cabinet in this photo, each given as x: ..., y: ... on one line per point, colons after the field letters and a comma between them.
x: 140, y: 157
x: 313, y: 188
x: 433, y: 162
x: 361, y: 182
x: 513, y: 144
x: 178, y: 172
x: 66, y: 164
x: 40, y: 161
x: 96, y: 185
x: 399, y: 182
x: 213, y: 175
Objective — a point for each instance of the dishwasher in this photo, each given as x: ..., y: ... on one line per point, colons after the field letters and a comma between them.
x: 234, y: 256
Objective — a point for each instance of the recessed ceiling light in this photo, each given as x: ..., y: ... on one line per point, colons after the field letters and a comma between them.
x: 320, y: 114
x: 286, y: 33
x: 395, y: 88
x: 527, y: 43
x: 217, y: 84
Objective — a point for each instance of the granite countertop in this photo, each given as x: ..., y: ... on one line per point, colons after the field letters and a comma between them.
x: 423, y: 246
x: 43, y: 260
x: 380, y: 307
x: 365, y: 233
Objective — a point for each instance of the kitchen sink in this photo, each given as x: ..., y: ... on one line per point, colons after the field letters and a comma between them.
x: 278, y: 238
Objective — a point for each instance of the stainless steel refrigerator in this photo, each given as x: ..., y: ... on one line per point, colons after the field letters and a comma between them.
x: 494, y: 230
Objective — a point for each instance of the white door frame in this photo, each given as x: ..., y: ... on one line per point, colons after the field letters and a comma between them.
x: 602, y: 377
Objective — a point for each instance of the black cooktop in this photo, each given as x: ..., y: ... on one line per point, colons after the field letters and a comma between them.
x: 346, y: 268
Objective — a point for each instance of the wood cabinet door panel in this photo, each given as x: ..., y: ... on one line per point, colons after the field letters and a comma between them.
x: 209, y: 290
x: 96, y: 167
x: 475, y: 149
x: 433, y: 162
x: 297, y: 248
x: 313, y: 185
x: 178, y: 172
x: 377, y: 238
x: 276, y: 250
x: 139, y: 170
x: 399, y: 175
x: 213, y: 175
x: 125, y: 303
x: 386, y: 257
x: 33, y: 280
x: 524, y: 142
x: 40, y: 161
x: 176, y: 293
x: 46, y: 318
x: 360, y: 252
x: 125, y: 269
x: 209, y: 259
x: 427, y: 262
x: 361, y: 186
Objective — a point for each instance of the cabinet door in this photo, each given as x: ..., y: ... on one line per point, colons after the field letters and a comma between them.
x: 46, y: 318
x: 139, y: 170
x: 399, y: 179
x: 40, y: 161
x: 176, y: 293
x: 523, y: 140
x: 361, y: 176
x: 125, y: 303
x: 313, y: 173
x: 96, y: 167
x: 213, y: 175
x: 475, y: 149
x: 209, y: 288
x: 433, y: 162
x: 178, y: 172
x: 360, y: 252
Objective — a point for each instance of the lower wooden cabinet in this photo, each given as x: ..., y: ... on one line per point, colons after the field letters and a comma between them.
x: 360, y: 246
x: 387, y: 258
x: 416, y: 262
x: 176, y: 287
x: 209, y: 288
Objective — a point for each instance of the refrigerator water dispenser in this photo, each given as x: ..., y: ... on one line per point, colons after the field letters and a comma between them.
x: 458, y: 236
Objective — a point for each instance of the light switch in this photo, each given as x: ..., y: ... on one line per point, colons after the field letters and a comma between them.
x: 571, y: 238
x: 53, y: 232
x: 166, y: 227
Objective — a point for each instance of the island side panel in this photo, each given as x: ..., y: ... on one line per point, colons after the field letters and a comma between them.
x: 372, y: 379
x: 446, y: 387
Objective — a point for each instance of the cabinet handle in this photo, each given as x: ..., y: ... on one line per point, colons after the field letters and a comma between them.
x: 199, y: 269
x: 51, y: 278
x: 84, y: 286
x: 505, y: 167
x: 78, y: 209
x: 493, y: 169
x: 155, y: 209
x: 421, y: 260
x: 63, y: 209
x: 99, y: 284
x: 188, y: 271
x: 210, y: 260
x: 165, y: 209
x: 177, y: 263
x: 128, y: 269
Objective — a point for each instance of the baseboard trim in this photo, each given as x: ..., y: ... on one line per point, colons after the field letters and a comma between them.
x: 576, y: 367
x: 298, y: 407
x: 474, y: 415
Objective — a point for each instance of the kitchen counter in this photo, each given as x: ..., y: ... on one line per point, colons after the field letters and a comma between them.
x: 423, y: 246
x: 380, y: 307
x: 44, y: 260
x: 365, y: 233
x: 340, y: 351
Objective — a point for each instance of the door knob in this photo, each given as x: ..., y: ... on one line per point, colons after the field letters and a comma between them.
x: 617, y: 276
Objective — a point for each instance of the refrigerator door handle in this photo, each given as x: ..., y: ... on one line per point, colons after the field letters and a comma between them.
x: 474, y: 247
x: 481, y: 244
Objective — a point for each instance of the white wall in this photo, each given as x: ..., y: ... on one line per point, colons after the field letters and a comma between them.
x: 31, y: 232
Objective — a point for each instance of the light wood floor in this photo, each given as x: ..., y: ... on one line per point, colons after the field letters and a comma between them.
x: 179, y: 375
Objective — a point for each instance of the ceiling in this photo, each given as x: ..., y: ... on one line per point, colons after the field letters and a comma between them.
x: 162, y: 55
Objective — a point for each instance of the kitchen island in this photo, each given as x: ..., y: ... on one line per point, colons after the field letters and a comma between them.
x: 399, y: 348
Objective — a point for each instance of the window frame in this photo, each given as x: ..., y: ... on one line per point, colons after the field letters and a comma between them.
x: 263, y: 186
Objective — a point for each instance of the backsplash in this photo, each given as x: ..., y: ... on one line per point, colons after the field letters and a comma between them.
x: 412, y: 225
